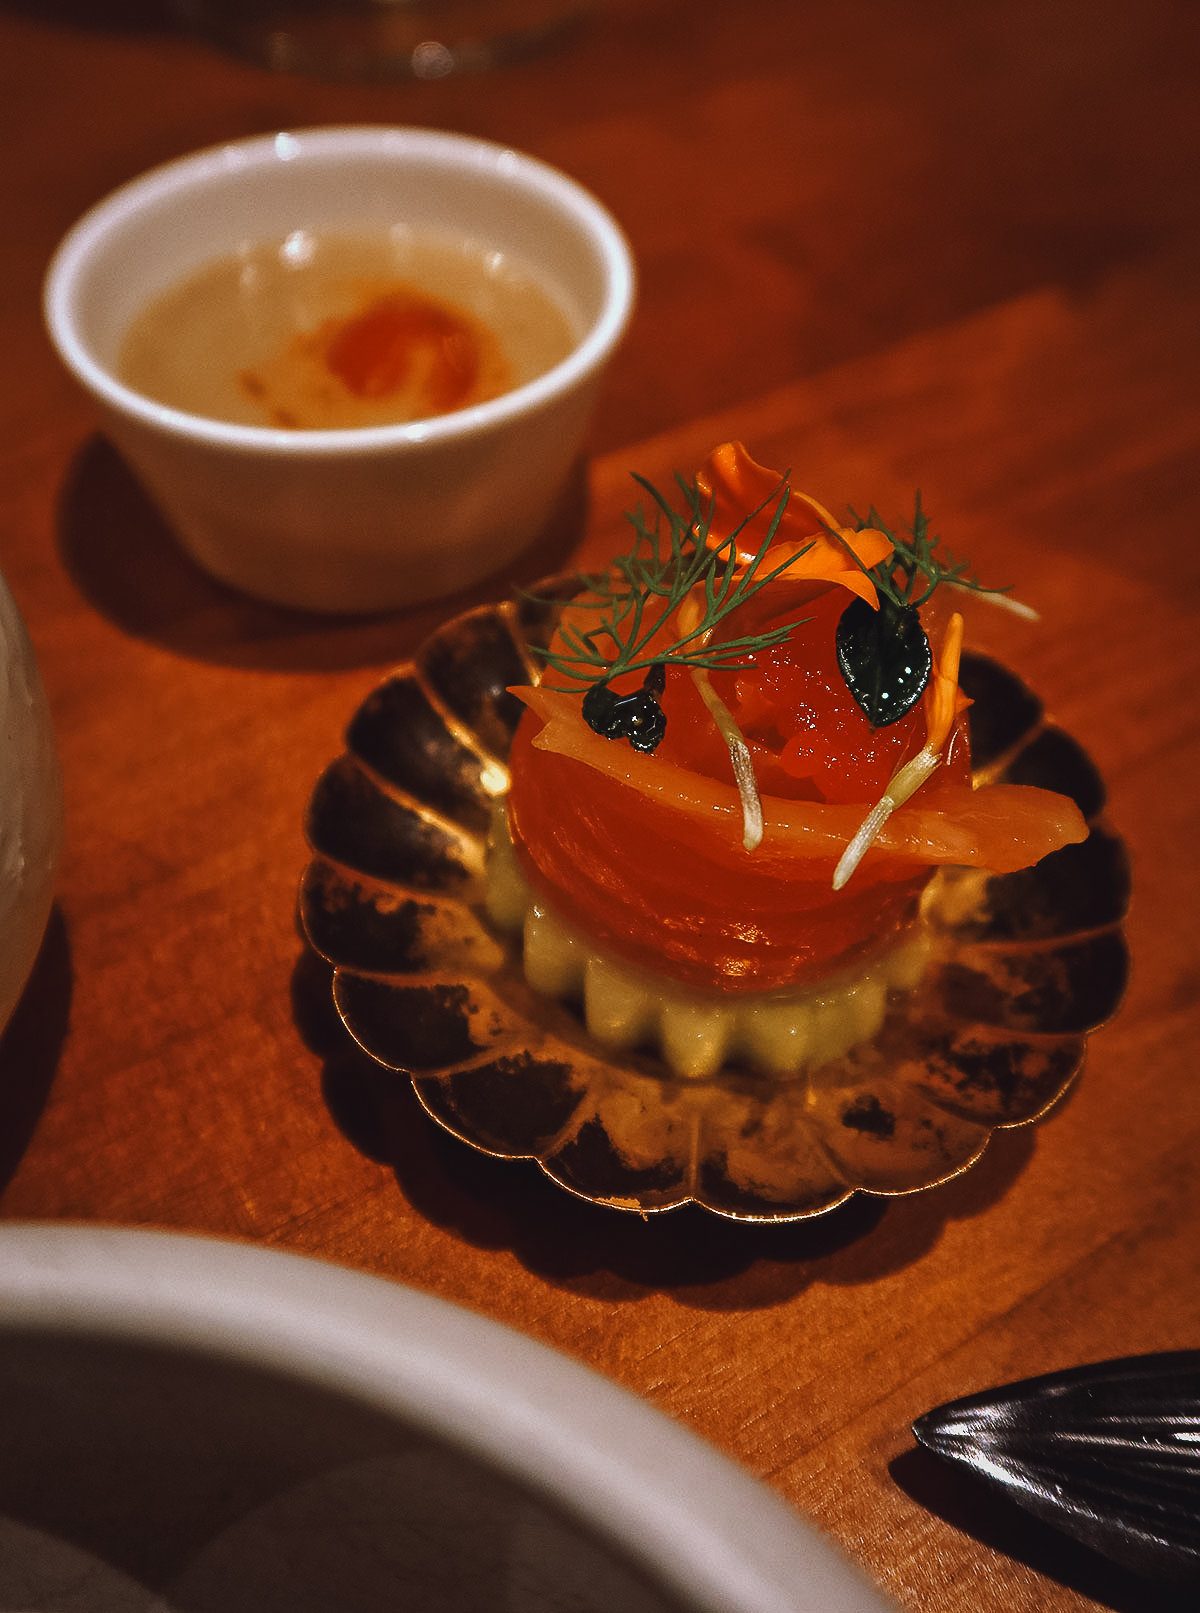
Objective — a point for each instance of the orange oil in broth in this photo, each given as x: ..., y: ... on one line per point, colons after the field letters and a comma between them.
x: 320, y: 332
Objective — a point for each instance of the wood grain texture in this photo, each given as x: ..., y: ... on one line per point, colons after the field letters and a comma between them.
x: 938, y: 246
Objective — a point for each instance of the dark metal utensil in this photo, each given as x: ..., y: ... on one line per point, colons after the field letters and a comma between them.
x: 1108, y: 1453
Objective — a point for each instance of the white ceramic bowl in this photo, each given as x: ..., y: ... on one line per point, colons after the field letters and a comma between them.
x: 202, y: 1426
x: 31, y: 807
x: 346, y: 520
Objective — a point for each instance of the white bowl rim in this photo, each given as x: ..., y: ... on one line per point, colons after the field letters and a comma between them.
x: 69, y: 261
x: 701, y: 1526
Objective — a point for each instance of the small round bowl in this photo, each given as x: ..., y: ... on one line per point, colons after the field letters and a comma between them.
x: 192, y: 1424
x: 359, y: 519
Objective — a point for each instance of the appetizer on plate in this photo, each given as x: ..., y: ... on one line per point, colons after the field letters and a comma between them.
x: 727, y: 875
x: 744, y: 766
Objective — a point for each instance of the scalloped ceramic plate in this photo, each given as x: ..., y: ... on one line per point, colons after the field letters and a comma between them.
x: 393, y: 898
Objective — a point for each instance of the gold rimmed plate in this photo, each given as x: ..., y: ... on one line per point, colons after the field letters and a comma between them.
x: 1023, y: 967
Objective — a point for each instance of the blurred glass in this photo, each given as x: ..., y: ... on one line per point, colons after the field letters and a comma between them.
x: 384, y: 39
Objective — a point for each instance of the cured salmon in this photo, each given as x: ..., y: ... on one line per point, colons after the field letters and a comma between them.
x: 644, y: 852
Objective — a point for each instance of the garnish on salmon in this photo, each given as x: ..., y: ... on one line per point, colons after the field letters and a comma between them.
x: 718, y: 845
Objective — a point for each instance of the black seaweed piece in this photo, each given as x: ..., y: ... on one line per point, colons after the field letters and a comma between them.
x: 884, y: 657
x: 1108, y: 1453
x: 637, y: 716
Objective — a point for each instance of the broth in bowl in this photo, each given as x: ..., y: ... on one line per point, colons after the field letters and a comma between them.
x: 322, y: 331
x: 279, y: 444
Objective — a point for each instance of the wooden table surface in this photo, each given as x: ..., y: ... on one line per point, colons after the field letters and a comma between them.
x: 934, y: 245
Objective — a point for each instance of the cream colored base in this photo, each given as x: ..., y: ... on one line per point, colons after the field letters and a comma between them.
x: 626, y: 1007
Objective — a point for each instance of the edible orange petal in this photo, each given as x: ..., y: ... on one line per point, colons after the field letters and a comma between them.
x: 735, y: 486
x: 943, y: 699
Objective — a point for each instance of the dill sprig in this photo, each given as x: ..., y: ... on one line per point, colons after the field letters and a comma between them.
x: 672, y: 566
x: 923, y: 562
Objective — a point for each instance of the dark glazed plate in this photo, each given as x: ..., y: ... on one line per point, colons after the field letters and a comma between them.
x: 394, y: 899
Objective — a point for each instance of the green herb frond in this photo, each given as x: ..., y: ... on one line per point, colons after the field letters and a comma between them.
x: 919, y: 563
x: 670, y: 560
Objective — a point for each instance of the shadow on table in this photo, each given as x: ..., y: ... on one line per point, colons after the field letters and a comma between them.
x: 705, y: 1260
x: 124, y: 560
x: 971, y: 1506
x: 31, y: 1045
